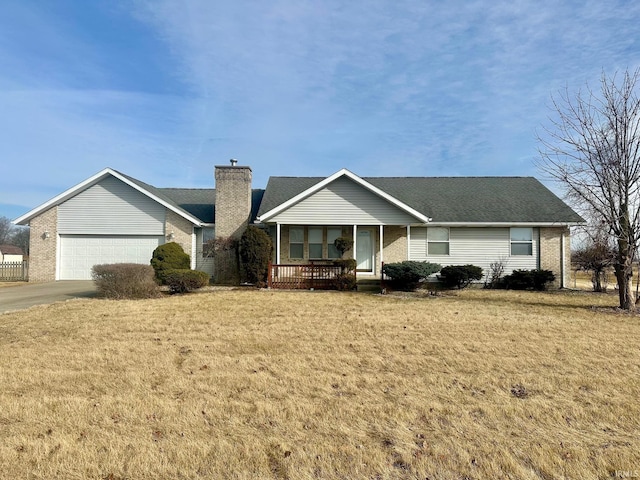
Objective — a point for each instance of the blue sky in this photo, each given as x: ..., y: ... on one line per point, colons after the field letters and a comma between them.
x: 164, y: 90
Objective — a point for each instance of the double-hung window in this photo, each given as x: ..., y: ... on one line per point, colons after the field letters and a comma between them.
x: 521, y: 241
x: 437, y: 241
x: 296, y: 242
x: 315, y: 242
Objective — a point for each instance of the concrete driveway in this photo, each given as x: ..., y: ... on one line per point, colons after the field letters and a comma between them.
x: 24, y: 296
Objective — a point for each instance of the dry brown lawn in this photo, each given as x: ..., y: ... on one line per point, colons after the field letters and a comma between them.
x: 304, y: 385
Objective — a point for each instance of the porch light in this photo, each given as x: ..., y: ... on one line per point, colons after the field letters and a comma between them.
x: 46, y: 235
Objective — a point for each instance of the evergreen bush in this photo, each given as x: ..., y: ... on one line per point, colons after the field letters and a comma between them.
x: 406, y: 275
x: 255, y: 251
x: 459, y: 276
x: 528, y: 280
x: 169, y: 256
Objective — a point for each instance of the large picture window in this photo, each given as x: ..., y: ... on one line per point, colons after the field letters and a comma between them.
x: 437, y: 241
x: 296, y: 242
x: 521, y: 241
x: 319, y: 242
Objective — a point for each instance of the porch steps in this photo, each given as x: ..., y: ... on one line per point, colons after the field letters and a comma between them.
x: 370, y: 285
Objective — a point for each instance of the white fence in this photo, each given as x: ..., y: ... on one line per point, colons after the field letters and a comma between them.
x: 14, y: 271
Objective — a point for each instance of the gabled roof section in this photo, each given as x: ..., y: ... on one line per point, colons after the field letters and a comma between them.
x: 148, y: 190
x: 283, y: 198
x: 446, y: 200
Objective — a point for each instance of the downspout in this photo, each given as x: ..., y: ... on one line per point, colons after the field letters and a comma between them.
x: 562, y: 260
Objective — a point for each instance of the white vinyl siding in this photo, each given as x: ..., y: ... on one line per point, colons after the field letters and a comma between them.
x: 111, y: 207
x: 344, y: 202
x: 476, y: 246
x: 78, y: 253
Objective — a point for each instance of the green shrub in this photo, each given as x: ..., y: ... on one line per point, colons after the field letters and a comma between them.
x: 169, y: 256
x: 347, y: 265
x: 344, y: 282
x: 255, y: 252
x: 125, y: 281
x: 406, y: 275
x: 459, y: 276
x: 528, y: 279
x: 182, y: 280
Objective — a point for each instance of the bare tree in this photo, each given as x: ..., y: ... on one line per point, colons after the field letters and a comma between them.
x: 20, y: 238
x: 5, y: 229
x: 593, y: 149
x: 596, y: 256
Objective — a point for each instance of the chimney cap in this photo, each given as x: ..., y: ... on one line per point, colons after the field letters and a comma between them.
x: 233, y: 162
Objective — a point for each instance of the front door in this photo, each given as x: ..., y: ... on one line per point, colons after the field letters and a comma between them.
x: 364, y: 250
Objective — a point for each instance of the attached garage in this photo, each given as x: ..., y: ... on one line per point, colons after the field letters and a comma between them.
x: 78, y: 253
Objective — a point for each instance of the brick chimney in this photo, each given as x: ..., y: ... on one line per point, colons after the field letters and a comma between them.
x: 233, y: 199
x: 233, y: 208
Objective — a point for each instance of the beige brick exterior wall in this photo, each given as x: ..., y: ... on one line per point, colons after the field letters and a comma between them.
x: 42, y: 251
x: 395, y: 244
x: 233, y: 200
x: 181, y: 228
x: 551, y: 252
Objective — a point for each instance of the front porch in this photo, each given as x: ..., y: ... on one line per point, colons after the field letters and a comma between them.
x: 303, y: 245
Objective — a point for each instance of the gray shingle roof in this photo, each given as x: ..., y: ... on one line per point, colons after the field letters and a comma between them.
x: 452, y: 199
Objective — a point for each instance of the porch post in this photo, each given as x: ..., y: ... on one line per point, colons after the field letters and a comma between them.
x: 355, y: 236
x: 278, y: 243
x: 381, y: 244
x: 408, y: 242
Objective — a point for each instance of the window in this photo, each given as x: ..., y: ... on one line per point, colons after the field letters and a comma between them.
x: 208, y: 234
x: 315, y: 242
x: 332, y: 234
x: 437, y: 241
x: 522, y: 241
x: 296, y: 242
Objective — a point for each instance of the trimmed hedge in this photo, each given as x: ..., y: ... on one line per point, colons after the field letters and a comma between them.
x: 406, y: 275
x: 169, y: 256
x: 125, y: 281
x: 183, y: 280
x: 528, y: 280
x: 460, y: 276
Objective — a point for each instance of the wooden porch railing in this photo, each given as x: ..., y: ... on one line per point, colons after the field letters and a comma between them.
x: 14, y: 271
x: 303, y: 277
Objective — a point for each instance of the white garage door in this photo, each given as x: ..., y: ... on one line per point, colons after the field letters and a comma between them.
x: 78, y: 253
